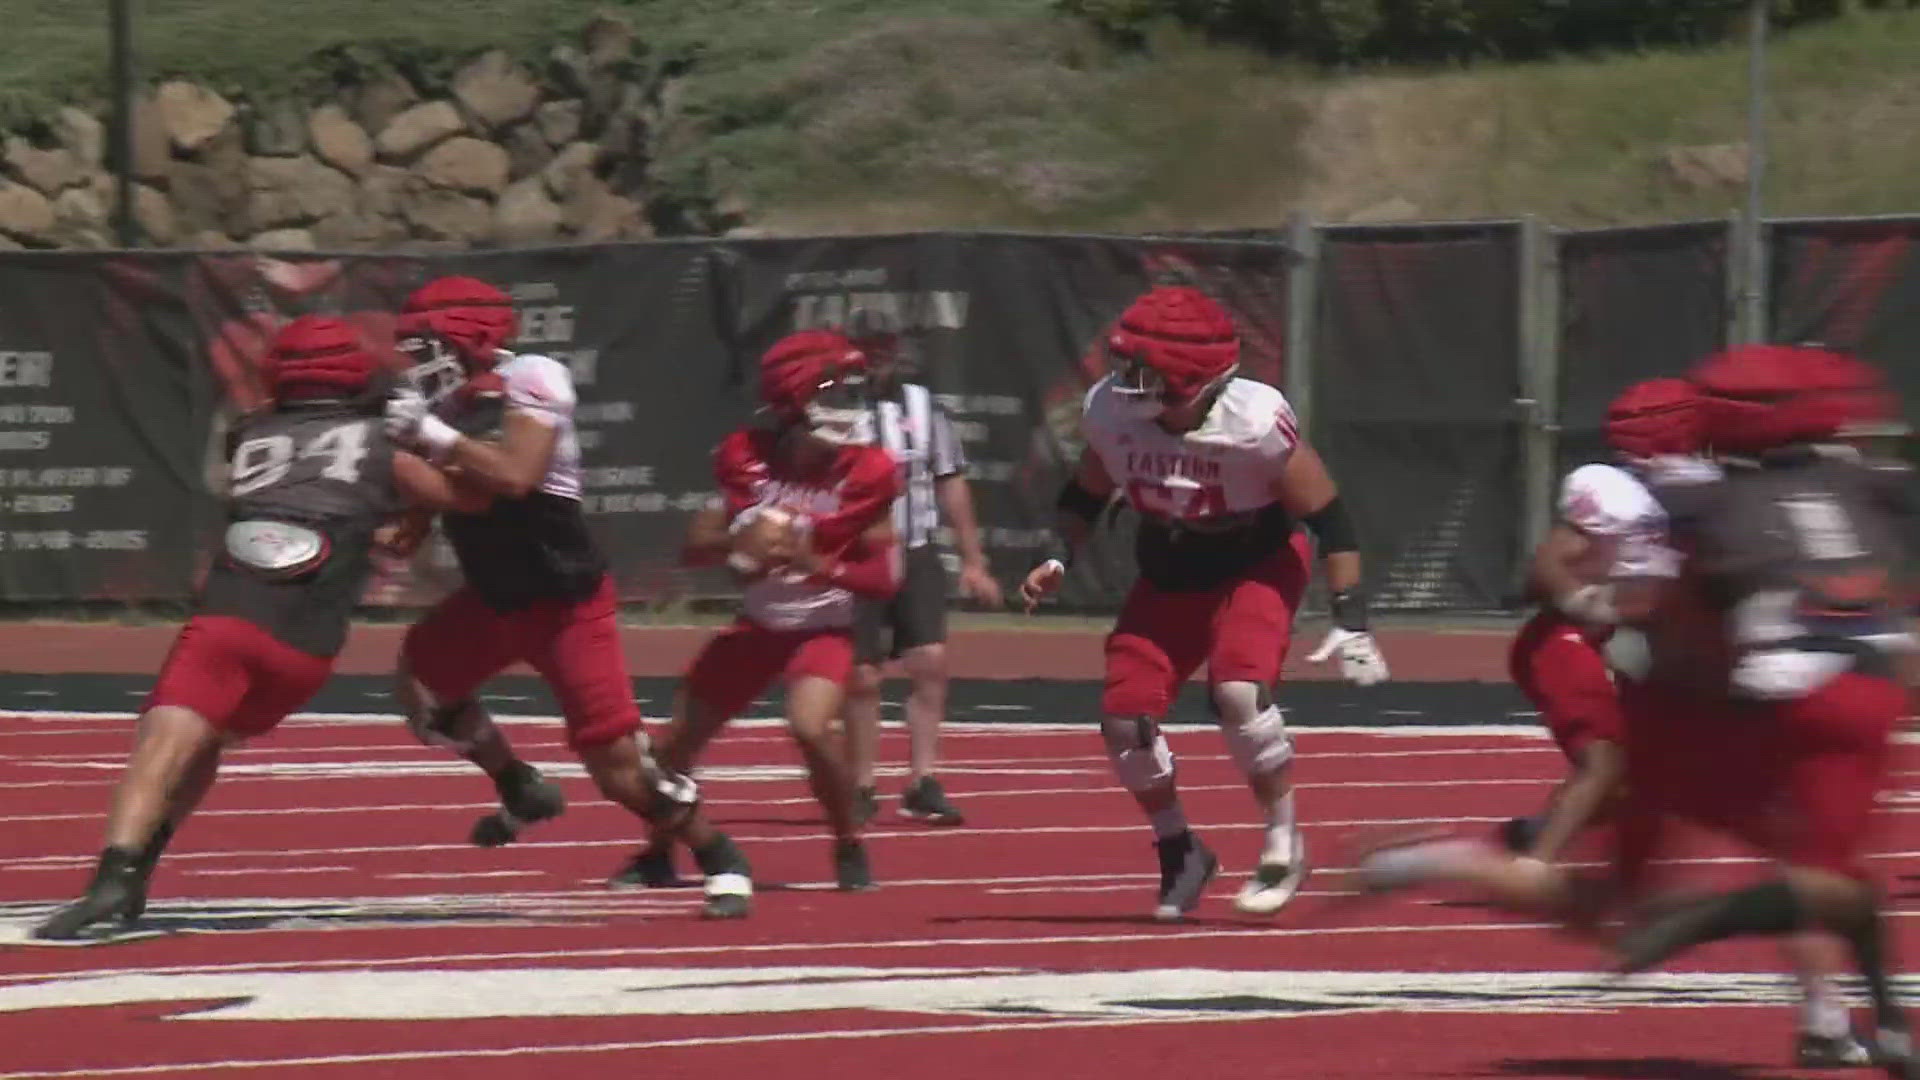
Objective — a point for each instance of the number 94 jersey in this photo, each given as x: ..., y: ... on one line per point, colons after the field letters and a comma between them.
x: 318, y: 476
x: 1205, y: 496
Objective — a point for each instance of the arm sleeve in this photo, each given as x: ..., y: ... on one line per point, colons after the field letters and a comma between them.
x: 866, y: 496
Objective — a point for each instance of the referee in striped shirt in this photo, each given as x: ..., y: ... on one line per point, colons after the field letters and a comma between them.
x: 911, y: 627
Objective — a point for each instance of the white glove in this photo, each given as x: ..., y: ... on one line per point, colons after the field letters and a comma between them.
x: 1360, y: 659
x: 410, y: 420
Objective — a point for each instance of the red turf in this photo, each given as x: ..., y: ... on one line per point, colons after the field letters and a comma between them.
x: 1002, y: 949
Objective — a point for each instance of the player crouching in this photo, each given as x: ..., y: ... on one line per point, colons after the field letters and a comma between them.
x: 312, y: 479
x: 1221, y: 478
x: 806, y: 520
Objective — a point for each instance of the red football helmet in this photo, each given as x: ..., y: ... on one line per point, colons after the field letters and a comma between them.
x: 452, y: 328
x: 1172, y: 347
x: 1761, y: 396
x: 1656, y: 418
x: 318, y: 356
x: 818, y: 378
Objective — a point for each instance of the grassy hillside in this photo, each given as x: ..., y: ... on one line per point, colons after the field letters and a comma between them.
x: 857, y: 115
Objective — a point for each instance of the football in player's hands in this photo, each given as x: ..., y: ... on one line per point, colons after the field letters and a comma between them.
x: 767, y: 542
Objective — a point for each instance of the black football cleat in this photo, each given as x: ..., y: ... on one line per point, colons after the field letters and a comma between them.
x: 1186, y: 867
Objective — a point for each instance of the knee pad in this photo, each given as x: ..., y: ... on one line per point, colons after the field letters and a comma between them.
x: 1256, y: 732
x: 1141, y: 758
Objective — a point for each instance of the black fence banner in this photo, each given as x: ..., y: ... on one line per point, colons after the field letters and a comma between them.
x: 1634, y: 304
x: 98, y: 433
x: 1852, y: 285
x: 1416, y: 375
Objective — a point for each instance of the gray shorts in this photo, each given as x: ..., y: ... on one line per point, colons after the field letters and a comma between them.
x: 910, y: 618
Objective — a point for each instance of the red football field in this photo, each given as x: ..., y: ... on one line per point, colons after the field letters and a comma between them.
x: 324, y: 917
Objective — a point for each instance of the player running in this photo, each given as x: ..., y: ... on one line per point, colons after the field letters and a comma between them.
x: 1768, y: 696
x: 1608, y: 519
x: 1217, y: 469
x: 313, y: 476
x: 806, y: 520
x: 537, y: 588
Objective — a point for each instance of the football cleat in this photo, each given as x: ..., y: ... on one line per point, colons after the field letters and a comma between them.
x: 729, y: 880
x: 1274, y: 884
x: 1892, y: 1050
x: 1812, y: 1051
x: 650, y: 868
x: 1186, y: 866
x: 924, y: 801
x: 851, y: 873
x: 117, y: 891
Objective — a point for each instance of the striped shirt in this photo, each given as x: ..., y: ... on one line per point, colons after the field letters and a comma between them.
x: 915, y: 430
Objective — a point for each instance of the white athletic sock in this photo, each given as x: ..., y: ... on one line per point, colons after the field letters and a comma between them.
x: 1278, y: 847
x: 1824, y: 1011
x: 1169, y: 822
x: 1416, y: 864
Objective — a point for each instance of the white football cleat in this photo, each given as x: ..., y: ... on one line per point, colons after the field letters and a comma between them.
x: 1273, y: 884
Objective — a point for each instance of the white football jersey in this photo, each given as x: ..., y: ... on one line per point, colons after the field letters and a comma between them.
x: 1226, y: 466
x: 542, y: 387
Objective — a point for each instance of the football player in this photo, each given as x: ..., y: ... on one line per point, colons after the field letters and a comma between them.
x: 1223, y: 481
x: 537, y: 589
x: 805, y: 518
x: 312, y: 477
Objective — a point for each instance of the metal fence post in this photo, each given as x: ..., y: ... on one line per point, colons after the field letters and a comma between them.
x: 1303, y: 298
x: 120, y: 40
x: 1538, y: 379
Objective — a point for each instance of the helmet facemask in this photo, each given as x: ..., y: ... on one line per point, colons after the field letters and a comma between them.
x: 1144, y: 391
x: 840, y: 411
x: 435, y: 371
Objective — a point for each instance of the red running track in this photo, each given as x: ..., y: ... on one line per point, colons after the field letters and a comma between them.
x: 325, y: 919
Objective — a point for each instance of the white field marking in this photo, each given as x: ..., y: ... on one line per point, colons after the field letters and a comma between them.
x: 469, y: 875
x: 61, y: 862
x: 43, y: 862
x: 953, y: 727
x: 606, y: 1048
x: 1064, y: 889
x: 1103, y: 788
x: 256, y: 871
x: 1151, y: 934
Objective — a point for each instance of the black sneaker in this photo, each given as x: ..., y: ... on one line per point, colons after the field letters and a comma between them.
x: 866, y: 803
x: 116, y: 892
x: 526, y: 797
x: 1186, y: 866
x: 650, y: 868
x: 1811, y: 1051
x: 850, y: 870
x: 925, y: 801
